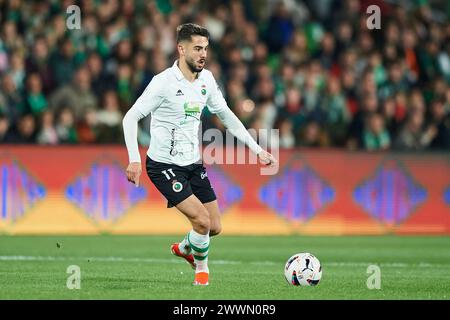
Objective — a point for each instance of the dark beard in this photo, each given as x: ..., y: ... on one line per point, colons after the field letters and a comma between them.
x: 192, y: 67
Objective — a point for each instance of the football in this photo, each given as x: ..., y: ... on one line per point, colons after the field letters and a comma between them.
x: 303, y: 269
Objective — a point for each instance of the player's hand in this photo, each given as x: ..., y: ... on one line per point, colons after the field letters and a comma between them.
x: 134, y: 171
x: 267, y: 158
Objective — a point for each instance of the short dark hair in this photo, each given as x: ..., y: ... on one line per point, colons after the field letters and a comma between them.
x: 187, y: 30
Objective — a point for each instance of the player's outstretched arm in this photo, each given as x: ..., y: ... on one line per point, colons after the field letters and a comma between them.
x: 130, y: 128
x: 218, y: 105
x: 149, y: 101
x: 235, y: 126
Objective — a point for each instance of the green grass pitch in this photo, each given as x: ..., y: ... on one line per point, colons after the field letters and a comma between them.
x: 241, y: 267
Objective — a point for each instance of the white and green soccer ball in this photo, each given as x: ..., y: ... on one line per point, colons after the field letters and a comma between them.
x: 303, y: 269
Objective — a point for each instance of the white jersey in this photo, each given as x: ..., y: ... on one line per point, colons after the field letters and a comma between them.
x: 175, y: 105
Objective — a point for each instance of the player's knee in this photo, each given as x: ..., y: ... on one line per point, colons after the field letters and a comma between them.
x: 202, y: 224
x: 202, y: 227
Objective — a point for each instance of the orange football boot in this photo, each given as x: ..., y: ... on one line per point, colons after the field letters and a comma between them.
x: 201, y: 279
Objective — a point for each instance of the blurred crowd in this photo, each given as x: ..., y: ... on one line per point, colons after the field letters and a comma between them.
x: 311, y: 69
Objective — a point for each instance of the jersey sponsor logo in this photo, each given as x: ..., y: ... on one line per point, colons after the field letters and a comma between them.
x: 177, y: 186
x: 179, y: 93
x: 192, y: 109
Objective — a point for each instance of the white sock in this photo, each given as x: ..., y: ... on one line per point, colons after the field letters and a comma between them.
x: 199, y: 244
x: 184, y: 246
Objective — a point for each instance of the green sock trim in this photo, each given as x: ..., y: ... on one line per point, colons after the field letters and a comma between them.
x: 187, y: 242
x: 199, y: 250
x: 196, y: 257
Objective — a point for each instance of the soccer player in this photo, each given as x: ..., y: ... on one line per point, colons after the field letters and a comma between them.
x: 175, y: 98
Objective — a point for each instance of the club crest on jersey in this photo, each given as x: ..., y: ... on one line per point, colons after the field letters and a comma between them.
x: 203, y: 89
x: 177, y: 186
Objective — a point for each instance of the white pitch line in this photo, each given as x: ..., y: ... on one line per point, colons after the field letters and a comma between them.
x: 222, y: 262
